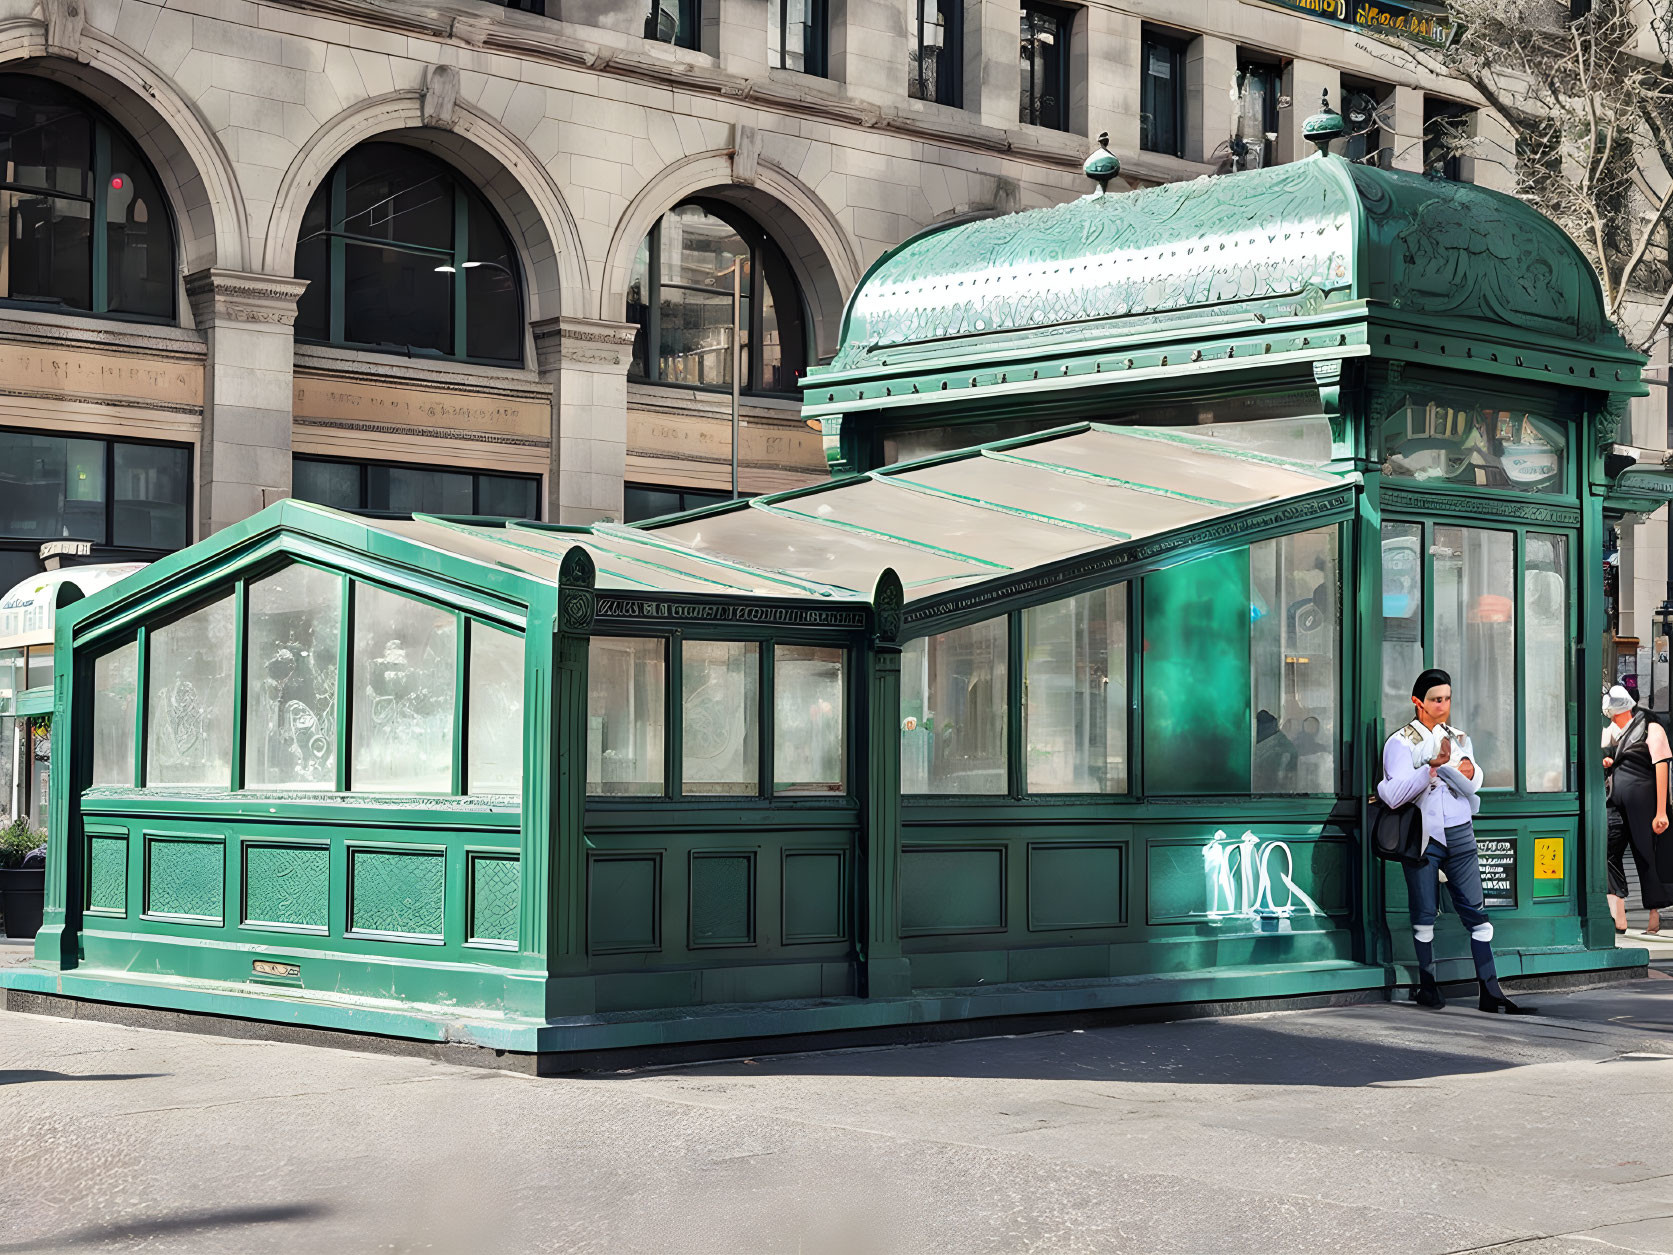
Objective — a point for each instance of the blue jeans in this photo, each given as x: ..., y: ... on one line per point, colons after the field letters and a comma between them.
x: 1463, y: 879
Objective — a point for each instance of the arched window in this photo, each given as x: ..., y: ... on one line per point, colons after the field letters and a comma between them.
x: 83, y: 223
x: 403, y: 256
x: 680, y: 294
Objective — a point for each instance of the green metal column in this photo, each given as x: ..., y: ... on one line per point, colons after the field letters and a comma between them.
x: 883, y: 970
x: 1589, y: 861
x: 57, y: 944
x: 1362, y: 621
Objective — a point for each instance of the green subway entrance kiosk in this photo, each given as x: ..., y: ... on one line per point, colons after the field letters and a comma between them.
x: 1066, y: 693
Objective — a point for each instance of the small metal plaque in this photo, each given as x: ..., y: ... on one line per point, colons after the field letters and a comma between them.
x: 277, y: 971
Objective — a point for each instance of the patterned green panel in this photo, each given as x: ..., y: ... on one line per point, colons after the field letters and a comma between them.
x: 186, y: 878
x: 722, y: 910
x: 952, y: 891
x: 814, y: 909
x: 398, y: 893
x: 107, y: 874
x: 624, y: 904
x: 287, y: 884
x: 496, y: 893
x: 1073, y: 886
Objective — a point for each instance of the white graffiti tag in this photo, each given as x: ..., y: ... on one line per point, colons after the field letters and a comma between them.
x: 1242, y: 876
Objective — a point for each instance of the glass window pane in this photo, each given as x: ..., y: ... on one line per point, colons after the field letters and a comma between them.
x: 115, y: 692
x: 495, y: 712
x: 152, y: 497
x: 493, y: 304
x: 46, y: 141
x: 139, y: 265
x: 335, y: 484
x: 626, y: 714
x: 13, y: 678
x: 697, y: 246
x: 1195, y: 704
x: 412, y: 489
x: 1402, y: 620
x: 1294, y: 630
x: 51, y: 487
x: 1474, y: 447
x: 639, y: 308
x: 188, y: 699
x: 392, y: 192
x: 720, y: 716
x: 290, y: 695
x: 505, y: 496
x: 404, y: 683
x: 953, y: 691
x: 49, y: 249
x: 313, y: 263
x: 696, y: 340
x: 1546, y: 699
x: 39, y: 674
x: 1475, y: 642
x: 808, y: 720
x: 783, y: 328
x: 397, y: 300
x: 1075, y: 693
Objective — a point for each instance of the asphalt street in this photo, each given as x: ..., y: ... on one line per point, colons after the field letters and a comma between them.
x: 1376, y: 1128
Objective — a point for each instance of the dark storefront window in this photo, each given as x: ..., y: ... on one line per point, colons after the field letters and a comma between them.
x: 129, y: 495
x: 1258, y: 86
x: 677, y: 22
x: 397, y: 488
x: 1446, y: 129
x: 680, y: 294
x: 1045, y: 66
x: 83, y: 223
x: 1162, y: 96
x: 652, y: 501
x: 935, y: 51
x: 797, y: 36
x: 405, y: 257
x: 1364, y: 109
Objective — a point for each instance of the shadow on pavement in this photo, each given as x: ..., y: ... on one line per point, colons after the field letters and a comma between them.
x: 23, y: 1076
x: 180, y: 1222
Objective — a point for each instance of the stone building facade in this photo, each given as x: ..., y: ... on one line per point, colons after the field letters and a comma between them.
x: 576, y: 175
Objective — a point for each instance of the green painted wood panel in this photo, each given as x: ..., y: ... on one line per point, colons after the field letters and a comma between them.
x: 397, y: 892
x: 815, y: 896
x: 496, y: 898
x: 185, y: 877
x: 951, y: 891
x: 287, y: 884
x: 1256, y: 880
x: 107, y: 875
x: 624, y: 903
x: 1076, y: 886
x: 722, y: 900
x: 1197, y: 709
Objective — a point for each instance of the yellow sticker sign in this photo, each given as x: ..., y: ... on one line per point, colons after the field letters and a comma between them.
x: 1548, y: 858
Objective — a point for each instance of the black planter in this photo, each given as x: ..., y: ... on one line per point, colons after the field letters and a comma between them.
x: 22, y: 895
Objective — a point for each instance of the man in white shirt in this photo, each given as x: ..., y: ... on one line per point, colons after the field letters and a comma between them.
x: 1430, y: 764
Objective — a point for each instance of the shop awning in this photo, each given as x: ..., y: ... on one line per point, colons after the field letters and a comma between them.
x: 942, y: 524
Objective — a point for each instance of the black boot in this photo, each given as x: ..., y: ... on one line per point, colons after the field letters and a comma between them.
x: 1501, y: 1005
x: 1428, y: 993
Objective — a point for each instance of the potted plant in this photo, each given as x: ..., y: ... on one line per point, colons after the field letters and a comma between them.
x: 22, y: 889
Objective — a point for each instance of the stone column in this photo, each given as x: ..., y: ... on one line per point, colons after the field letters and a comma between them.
x: 244, y: 463
x: 741, y: 34
x: 1406, y: 138
x: 586, y: 362
x: 992, y: 71
x: 1306, y: 82
x: 868, y: 46
x: 1111, y: 67
x: 1210, y: 96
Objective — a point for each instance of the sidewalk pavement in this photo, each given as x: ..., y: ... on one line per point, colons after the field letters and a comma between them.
x: 1355, y: 1129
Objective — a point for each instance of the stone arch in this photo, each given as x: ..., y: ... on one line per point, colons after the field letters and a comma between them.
x: 197, y: 176
x: 825, y: 261
x: 501, y: 167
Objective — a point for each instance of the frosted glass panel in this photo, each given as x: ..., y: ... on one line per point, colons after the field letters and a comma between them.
x: 1075, y: 690
x: 495, y: 712
x: 404, y: 683
x: 1475, y: 642
x: 953, y: 690
x: 1402, y: 620
x: 808, y: 727
x: 290, y: 721
x: 115, y: 690
x: 721, y: 719
x: 189, y: 699
x: 626, y: 714
x: 1294, y: 627
x: 1545, y: 601
x: 1126, y: 510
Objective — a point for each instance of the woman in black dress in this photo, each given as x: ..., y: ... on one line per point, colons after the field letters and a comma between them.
x: 1638, y: 767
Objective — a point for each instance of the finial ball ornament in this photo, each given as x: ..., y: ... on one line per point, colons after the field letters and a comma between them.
x: 1325, y: 126
x: 1103, y: 165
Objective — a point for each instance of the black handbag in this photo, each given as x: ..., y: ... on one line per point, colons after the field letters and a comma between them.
x: 1396, y: 831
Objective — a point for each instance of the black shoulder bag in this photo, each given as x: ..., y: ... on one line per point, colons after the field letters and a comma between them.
x: 1396, y: 831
